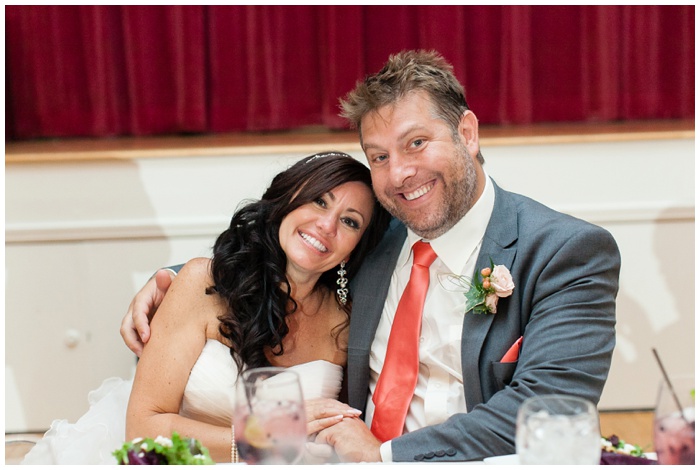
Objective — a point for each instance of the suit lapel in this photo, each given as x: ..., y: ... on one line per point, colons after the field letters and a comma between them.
x: 373, y: 285
x: 369, y: 289
x: 499, y: 244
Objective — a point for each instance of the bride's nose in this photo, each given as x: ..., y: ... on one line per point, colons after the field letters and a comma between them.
x: 327, y: 224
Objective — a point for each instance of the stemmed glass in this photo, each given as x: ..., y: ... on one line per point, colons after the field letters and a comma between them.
x: 674, y: 422
x: 557, y: 429
x: 269, y: 419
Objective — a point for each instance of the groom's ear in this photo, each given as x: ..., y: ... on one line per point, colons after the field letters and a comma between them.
x: 468, y: 130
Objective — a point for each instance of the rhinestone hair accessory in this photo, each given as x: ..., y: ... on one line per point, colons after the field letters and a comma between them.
x: 342, y: 282
x: 327, y: 154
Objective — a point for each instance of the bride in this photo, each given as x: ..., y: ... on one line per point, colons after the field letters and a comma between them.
x: 269, y: 296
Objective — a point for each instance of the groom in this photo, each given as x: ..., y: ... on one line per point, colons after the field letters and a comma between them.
x: 437, y: 380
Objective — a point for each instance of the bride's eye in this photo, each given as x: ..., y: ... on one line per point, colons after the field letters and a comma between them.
x: 352, y: 223
x: 319, y: 201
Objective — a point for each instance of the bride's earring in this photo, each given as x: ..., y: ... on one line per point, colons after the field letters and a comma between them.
x: 342, y: 282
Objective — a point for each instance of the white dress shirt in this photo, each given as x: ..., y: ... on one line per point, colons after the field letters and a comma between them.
x: 439, y: 392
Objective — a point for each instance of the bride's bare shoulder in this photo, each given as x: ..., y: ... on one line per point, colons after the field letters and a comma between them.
x: 197, y: 268
x: 203, y: 304
x: 189, y: 292
x: 193, y: 278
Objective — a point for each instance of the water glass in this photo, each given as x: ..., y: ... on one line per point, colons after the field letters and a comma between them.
x: 269, y: 420
x: 674, y: 433
x: 557, y: 430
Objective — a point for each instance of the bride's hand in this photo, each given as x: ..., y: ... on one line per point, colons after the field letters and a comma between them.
x: 324, y: 412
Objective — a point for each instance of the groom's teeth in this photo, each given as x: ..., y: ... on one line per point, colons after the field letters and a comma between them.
x: 313, y: 242
x: 418, y: 192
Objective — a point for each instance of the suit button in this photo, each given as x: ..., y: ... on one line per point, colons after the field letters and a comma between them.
x: 451, y: 452
x: 430, y: 455
x: 440, y: 453
x: 419, y: 457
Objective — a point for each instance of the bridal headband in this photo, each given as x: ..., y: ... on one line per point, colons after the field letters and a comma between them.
x: 327, y: 154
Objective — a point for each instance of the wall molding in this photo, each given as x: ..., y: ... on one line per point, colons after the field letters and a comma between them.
x: 316, y: 139
x: 200, y: 226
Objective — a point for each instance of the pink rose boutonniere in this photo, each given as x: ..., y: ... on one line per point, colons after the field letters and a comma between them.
x: 496, y: 282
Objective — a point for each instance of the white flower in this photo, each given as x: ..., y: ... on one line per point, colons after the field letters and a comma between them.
x: 164, y: 441
x: 502, y: 281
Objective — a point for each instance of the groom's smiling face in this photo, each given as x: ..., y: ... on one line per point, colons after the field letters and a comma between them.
x: 421, y: 172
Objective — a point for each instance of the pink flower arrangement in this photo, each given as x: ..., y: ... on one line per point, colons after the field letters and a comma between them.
x: 496, y: 283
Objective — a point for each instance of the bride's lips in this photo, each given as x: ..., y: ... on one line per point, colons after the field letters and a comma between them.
x: 313, y: 241
x: 416, y: 193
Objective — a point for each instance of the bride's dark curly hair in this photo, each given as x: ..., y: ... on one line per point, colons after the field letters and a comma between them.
x: 248, y: 266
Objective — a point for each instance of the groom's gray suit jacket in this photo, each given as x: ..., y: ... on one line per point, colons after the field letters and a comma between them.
x: 566, y: 275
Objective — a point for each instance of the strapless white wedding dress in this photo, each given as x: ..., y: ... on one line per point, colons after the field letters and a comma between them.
x: 207, y: 397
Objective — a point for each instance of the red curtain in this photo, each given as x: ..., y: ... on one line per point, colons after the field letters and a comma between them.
x: 74, y: 71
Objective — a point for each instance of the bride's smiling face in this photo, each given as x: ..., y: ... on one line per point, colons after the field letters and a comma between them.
x: 318, y: 235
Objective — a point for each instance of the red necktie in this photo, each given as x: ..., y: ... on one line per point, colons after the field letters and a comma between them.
x: 399, y: 375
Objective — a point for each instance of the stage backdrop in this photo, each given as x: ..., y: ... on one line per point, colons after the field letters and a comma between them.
x: 103, y: 71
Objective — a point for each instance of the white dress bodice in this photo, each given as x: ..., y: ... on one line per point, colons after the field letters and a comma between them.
x: 209, y: 393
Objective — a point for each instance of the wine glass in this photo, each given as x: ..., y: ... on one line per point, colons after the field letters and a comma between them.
x: 557, y: 429
x: 269, y: 420
x: 674, y: 422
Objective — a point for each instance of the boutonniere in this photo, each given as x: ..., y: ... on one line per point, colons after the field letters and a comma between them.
x: 496, y: 282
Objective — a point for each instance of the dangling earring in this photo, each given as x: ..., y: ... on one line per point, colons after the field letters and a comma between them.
x: 342, y: 282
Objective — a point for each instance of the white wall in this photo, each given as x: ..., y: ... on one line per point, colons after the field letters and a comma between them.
x: 81, y: 238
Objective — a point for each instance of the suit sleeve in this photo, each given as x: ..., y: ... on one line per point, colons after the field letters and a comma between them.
x: 175, y: 269
x: 567, y: 304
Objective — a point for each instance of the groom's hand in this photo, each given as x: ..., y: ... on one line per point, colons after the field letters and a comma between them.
x: 316, y: 454
x: 135, y: 329
x: 352, y: 441
x: 322, y: 413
